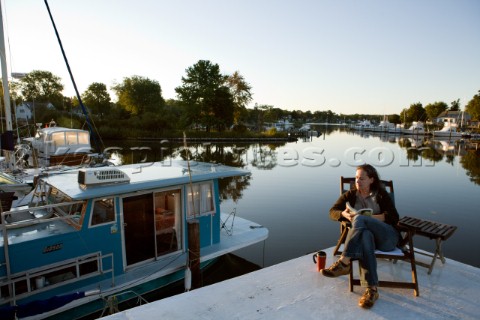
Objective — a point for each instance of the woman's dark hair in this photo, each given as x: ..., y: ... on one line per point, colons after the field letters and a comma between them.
x: 371, y: 173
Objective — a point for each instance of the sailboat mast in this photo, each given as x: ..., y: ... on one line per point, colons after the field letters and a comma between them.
x: 6, y: 91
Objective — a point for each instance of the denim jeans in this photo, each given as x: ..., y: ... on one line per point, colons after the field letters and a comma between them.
x: 366, y: 235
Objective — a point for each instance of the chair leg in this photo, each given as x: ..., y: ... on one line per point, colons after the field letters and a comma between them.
x: 413, y: 265
x: 341, y: 240
x: 350, y: 277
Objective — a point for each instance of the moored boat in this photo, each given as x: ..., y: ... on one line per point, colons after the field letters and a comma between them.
x: 112, y: 233
x: 449, y: 130
x: 384, y: 126
x: 416, y: 128
x: 365, y: 125
x: 52, y: 146
x: 396, y: 129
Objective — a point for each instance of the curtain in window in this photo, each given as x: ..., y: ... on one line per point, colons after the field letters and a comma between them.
x: 202, y: 197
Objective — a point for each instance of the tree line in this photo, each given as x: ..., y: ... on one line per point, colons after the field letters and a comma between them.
x: 207, y: 101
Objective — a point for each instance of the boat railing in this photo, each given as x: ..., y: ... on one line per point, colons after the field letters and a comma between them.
x: 26, y: 283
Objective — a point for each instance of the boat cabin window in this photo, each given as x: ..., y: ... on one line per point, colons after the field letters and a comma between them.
x: 103, y: 211
x: 83, y: 138
x: 202, y: 199
x: 58, y: 138
x: 72, y: 138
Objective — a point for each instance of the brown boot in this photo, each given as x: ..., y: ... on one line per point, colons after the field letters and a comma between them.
x: 337, y: 269
x: 368, y: 299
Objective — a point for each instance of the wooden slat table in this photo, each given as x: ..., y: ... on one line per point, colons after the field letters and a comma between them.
x: 433, y: 230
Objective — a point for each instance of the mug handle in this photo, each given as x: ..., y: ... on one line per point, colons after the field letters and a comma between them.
x: 314, y: 257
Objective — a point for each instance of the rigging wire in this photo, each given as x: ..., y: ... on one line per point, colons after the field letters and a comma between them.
x: 71, y: 76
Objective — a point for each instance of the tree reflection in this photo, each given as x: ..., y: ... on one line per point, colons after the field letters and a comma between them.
x: 437, y: 150
x: 264, y: 157
x: 431, y: 154
x: 471, y: 163
x: 233, y: 187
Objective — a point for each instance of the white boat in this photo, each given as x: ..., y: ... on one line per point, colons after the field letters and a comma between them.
x: 54, y: 146
x: 308, y: 131
x: 416, y: 128
x: 397, y: 129
x: 365, y: 125
x: 384, y: 126
x: 449, y: 130
x: 113, y: 234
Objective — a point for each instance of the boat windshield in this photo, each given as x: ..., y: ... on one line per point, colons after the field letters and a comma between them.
x: 66, y: 207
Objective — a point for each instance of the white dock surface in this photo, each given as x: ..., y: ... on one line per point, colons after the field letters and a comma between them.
x: 295, y: 290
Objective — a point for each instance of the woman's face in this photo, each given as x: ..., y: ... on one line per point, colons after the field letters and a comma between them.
x: 362, y: 181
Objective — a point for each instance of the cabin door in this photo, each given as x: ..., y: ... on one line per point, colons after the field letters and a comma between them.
x: 138, y: 228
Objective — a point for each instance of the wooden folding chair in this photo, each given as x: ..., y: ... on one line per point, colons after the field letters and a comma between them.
x: 345, y: 185
x: 405, y: 251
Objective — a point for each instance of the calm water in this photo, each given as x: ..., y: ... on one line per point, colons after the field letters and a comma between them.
x: 293, y: 185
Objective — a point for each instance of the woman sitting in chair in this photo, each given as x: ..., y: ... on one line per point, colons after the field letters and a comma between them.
x: 367, y: 233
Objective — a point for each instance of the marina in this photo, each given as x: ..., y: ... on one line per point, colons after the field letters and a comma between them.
x: 81, y: 236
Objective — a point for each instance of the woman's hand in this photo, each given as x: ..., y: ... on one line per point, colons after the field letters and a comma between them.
x: 348, y: 215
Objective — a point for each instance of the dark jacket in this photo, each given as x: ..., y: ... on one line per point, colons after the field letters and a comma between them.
x: 383, y: 199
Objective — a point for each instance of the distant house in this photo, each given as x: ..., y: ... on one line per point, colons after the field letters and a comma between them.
x: 25, y: 110
x: 78, y: 110
x: 453, y: 117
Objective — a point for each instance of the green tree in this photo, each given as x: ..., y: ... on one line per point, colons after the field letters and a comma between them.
x: 415, y: 112
x: 434, y: 109
x: 455, y: 105
x: 473, y: 107
x: 223, y: 109
x: 394, y: 118
x: 241, y: 93
x: 41, y: 86
x: 204, y: 94
x: 97, y: 98
x: 139, y: 94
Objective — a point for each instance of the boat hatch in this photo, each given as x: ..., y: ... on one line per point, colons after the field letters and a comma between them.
x: 95, y: 176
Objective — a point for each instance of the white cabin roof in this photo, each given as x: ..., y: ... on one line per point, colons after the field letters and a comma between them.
x: 143, y: 176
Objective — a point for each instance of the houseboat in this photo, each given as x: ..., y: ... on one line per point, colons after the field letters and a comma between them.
x: 96, y: 235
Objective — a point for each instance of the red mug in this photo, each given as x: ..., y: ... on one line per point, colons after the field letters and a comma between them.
x: 319, y: 258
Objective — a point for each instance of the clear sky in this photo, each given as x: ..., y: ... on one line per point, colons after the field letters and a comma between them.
x: 349, y: 56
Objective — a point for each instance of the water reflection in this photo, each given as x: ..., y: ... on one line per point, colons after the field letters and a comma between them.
x: 266, y: 156
x: 436, y: 150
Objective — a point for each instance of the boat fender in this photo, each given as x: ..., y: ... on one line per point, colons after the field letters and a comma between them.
x: 188, y: 279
